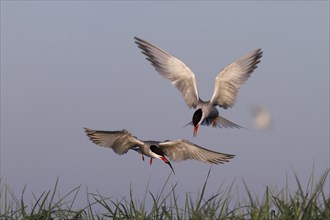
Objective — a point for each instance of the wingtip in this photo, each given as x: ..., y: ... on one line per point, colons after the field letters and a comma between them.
x: 239, y: 127
x: 136, y: 38
x: 259, y: 53
x: 89, y: 132
x: 139, y: 41
x: 231, y: 156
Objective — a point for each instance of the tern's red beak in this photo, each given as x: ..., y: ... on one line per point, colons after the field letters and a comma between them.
x: 195, y: 130
x: 167, y: 162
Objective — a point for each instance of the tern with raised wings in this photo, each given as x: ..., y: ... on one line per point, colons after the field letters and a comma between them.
x: 227, y: 83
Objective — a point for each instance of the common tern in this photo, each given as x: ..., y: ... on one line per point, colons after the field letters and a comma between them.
x: 177, y: 150
x: 227, y: 83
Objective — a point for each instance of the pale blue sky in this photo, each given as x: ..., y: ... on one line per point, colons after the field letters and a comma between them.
x: 69, y: 65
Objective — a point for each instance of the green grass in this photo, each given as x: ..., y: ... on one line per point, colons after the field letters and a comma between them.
x: 309, y: 203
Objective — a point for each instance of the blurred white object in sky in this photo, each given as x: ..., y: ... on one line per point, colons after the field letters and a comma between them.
x: 262, y: 117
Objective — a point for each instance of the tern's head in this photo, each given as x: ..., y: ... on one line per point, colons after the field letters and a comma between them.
x: 157, y: 151
x: 161, y: 155
x: 197, y: 117
x: 196, y: 120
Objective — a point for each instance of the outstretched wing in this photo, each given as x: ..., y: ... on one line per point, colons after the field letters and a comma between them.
x: 229, y: 80
x: 179, y: 150
x: 172, y: 69
x: 119, y: 141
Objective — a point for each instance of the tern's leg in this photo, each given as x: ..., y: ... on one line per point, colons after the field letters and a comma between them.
x: 142, y: 157
x: 150, y: 161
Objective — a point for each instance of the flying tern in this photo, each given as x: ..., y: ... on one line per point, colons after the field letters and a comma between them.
x: 177, y: 150
x: 227, y: 83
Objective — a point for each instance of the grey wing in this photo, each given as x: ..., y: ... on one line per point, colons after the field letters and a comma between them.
x: 229, y: 80
x: 179, y: 150
x: 172, y: 69
x: 119, y: 141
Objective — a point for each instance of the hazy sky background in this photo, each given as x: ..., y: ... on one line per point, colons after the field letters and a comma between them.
x: 69, y: 65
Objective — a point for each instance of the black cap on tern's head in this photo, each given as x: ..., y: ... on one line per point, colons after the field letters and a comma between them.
x: 197, y: 117
x: 157, y: 150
